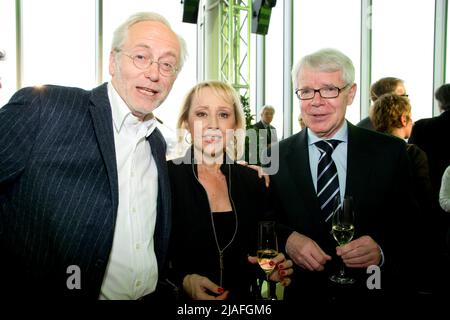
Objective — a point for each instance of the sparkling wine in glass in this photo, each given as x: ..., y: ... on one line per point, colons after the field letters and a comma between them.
x: 267, y: 250
x: 343, y: 229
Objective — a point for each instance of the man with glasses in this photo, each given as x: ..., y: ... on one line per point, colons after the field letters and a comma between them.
x: 84, y: 189
x: 322, y: 164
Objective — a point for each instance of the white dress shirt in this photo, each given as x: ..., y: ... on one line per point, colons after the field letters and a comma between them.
x: 132, y: 270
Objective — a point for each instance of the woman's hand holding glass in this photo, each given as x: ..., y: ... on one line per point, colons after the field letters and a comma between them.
x: 281, y: 271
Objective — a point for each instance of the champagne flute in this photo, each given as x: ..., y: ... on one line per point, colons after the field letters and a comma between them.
x: 342, y: 228
x: 267, y: 250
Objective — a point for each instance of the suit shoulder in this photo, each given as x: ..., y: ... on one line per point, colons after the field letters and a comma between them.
x: 258, y: 125
x: 30, y: 94
x: 379, y: 137
x: 415, y: 152
x: 423, y: 122
x: 286, y: 143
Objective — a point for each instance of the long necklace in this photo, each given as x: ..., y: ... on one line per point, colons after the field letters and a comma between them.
x: 221, y: 265
x: 233, y: 207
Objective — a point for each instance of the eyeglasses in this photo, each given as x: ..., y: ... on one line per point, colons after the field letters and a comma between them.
x: 144, y: 62
x: 329, y: 92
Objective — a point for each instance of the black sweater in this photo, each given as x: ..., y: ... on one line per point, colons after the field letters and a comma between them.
x: 193, y: 246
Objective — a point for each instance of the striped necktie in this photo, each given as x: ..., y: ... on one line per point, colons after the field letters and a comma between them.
x: 327, y: 177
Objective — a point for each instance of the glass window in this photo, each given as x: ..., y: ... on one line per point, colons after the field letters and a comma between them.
x: 253, y: 75
x: 59, y: 43
x: 402, y: 47
x: 447, y: 58
x: 8, y: 46
x: 328, y: 24
x: 274, y: 67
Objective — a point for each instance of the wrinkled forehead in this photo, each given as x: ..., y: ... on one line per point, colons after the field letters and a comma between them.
x: 154, y: 35
x: 317, y: 76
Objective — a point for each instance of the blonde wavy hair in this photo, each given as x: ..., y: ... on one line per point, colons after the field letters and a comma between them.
x: 387, y: 111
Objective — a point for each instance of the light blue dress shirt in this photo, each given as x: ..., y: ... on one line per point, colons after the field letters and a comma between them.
x: 339, y: 156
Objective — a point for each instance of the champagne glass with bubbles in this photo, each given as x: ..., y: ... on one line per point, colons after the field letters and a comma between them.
x: 342, y: 228
x: 267, y: 250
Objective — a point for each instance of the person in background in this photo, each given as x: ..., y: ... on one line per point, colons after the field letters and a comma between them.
x: 84, y: 190
x: 332, y: 157
x: 266, y: 134
x: 380, y: 87
x: 391, y: 114
x: 444, y: 194
x: 430, y: 135
x: 216, y: 203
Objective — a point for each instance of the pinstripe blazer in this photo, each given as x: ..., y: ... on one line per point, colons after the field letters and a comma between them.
x: 59, y: 190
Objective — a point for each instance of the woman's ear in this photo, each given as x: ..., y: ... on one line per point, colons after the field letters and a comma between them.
x: 404, y: 120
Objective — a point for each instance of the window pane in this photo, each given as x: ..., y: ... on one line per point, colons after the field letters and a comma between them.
x: 323, y: 24
x: 59, y: 43
x: 116, y: 12
x: 274, y: 67
x: 8, y: 45
x: 402, y: 47
x: 447, y: 58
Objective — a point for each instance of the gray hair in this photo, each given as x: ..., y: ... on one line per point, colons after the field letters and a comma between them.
x: 326, y: 60
x: 268, y: 107
x: 121, y: 33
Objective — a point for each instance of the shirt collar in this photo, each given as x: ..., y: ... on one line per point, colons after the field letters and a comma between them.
x: 122, y: 116
x: 341, y: 135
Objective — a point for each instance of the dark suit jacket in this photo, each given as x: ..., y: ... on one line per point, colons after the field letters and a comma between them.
x: 366, y: 123
x: 378, y: 178
x: 431, y: 135
x: 59, y: 191
x: 263, y: 141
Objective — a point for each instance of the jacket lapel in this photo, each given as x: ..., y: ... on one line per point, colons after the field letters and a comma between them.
x: 298, y: 163
x: 358, y: 160
x: 100, y: 109
x: 163, y: 220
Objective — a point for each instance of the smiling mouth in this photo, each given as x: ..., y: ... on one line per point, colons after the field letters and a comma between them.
x: 212, y: 139
x: 147, y: 91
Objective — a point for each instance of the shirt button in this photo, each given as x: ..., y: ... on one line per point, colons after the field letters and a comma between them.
x: 133, y: 210
x: 138, y: 283
x: 138, y: 246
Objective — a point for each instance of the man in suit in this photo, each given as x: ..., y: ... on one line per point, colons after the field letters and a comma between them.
x: 84, y: 190
x: 380, y: 87
x: 265, y: 134
x: 368, y: 166
x: 431, y: 136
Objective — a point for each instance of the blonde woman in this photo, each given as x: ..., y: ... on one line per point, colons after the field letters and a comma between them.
x: 216, y: 202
